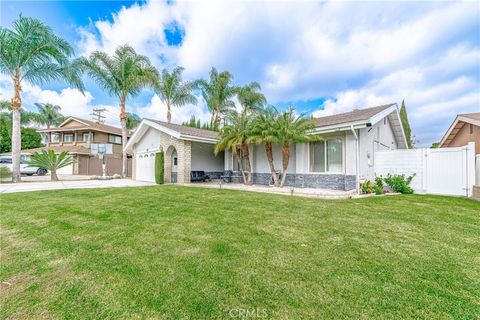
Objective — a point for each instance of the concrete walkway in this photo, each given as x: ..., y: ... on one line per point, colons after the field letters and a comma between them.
x: 82, y: 184
x: 289, y: 191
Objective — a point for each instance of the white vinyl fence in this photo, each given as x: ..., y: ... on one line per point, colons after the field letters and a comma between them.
x: 447, y: 171
x: 477, y: 175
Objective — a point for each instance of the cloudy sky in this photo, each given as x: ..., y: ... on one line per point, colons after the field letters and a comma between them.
x: 323, y: 57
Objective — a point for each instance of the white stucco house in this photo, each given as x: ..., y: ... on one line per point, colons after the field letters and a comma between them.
x: 341, y: 161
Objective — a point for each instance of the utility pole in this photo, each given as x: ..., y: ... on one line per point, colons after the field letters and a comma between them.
x: 97, y: 115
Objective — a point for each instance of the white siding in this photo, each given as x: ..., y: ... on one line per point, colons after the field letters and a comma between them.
x: 150, y: 141
x: 204, y: 159
x: 260, y: 162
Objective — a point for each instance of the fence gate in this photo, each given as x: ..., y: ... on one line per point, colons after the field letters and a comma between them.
x: 448, y: 171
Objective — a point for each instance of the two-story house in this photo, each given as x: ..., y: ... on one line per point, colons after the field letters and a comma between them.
x: 82, y: 139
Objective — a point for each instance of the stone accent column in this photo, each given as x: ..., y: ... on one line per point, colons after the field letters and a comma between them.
x: 184, y: 154
x: 134, y: 162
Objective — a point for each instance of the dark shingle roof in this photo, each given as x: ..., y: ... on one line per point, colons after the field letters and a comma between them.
x: 352, y: 116
x: 186, y: 130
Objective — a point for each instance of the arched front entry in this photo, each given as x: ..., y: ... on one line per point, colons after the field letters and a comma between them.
x: 171, y: 165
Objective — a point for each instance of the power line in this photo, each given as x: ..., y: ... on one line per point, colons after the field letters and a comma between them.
x: 97, y: 115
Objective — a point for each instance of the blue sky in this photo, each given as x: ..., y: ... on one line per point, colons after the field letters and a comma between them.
x: 323, y: 57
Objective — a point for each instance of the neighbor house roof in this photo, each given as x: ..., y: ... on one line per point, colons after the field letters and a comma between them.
x: 85, y: 125
x: 457, y: 125
x: 57, y: 149
x: 362, y: 118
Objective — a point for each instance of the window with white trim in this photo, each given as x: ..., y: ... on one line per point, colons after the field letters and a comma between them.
x: 68, y: 137
x: 114, y: 139
x: 327, y: 156
x: 87, y: 136
x: 55, y: 137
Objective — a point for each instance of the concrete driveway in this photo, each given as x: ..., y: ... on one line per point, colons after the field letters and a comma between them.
x: 82, y: 184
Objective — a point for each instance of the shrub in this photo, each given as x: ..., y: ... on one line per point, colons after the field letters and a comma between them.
x: 379, y: 185
x: 51, y: 161
x: 159, y: 167
x: 5, y: 173
x: 367, y: 187
x: 399, y: 183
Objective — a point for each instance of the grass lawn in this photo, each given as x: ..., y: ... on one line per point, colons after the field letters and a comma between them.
x: 177, y: 252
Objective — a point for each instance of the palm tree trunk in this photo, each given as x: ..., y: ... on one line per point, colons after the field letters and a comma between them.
x: 169, y: 113
x: 123, y: 121
x: 269, y: 151
x: 240, y: 166
x: 53, y: 175
x: 246, y: 156
x: 16, y: 128
x: 217, y: 117
x: 285, y: 159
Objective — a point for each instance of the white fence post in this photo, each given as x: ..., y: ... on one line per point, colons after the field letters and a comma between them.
x: 470, y: 156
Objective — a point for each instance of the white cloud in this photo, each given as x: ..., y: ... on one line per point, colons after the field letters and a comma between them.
x: 157, y: 110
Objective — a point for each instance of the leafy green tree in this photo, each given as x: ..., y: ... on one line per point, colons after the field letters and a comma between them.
x: 133, y: 120
x: 31, y: 138
x: 218, y: 93
x: 406, y: 125
x: 196, y: 123
x: 48, y: 115
x: 250, y: 97
x: 51, y: 161
x: 31, y: 52
x: 232, y: 137
x: 435, y: 145
x: 173, y: 91
x: 122, y: 75
x: 292, y: 129
x: 264, y: 131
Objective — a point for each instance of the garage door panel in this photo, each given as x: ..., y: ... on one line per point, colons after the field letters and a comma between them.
x: 145, y: 167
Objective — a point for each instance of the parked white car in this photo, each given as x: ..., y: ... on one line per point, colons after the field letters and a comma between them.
x: 6, y: 161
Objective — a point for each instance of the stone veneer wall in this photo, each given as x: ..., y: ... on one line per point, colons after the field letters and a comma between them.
x: 321, y: 181
x: 184, y: 156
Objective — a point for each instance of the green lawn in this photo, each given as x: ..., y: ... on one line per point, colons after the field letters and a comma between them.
x: 176, y: 252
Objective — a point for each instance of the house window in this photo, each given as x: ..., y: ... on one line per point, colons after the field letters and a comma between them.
x: 55, y: 137
x: 326, y: 156
x: 68, y: 137
x: 114, y: 139
x: 87, y: 136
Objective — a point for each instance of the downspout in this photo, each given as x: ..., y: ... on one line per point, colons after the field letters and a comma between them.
x: 357, y: 160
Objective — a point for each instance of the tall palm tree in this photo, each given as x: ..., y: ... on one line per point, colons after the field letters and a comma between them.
x: 292, y: 129
x: 122, y: 75
x: 233, y: 136
x: 250, y: 97
x: 174, y: 91
x: 31, y: 52
x: 48, y: 115
x: 133, y: 120
x: 264, y: 131
x: 217, y: 93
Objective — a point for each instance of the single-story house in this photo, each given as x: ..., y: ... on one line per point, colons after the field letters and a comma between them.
x: 464, y: 129
x: 340, y: 161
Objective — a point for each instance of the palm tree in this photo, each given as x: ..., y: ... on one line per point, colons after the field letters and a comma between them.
x: 48, y: 115
x: 250, y: 97
x: 123, y: 75
x: 265, y: 131
x: 31, y: 52
x: 233, y: 136
x: 174, y: 91
x: 292, y: 129
x: 133, y: 120
x: 217, y: 93
x: 51, y: 161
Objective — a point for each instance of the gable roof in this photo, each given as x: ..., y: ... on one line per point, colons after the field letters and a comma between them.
x: 190, y: 131
x: 85, y: 125
x: 457, y: 125
x: 363, y: 118
x: 352, y: 116
x: 175, y: 130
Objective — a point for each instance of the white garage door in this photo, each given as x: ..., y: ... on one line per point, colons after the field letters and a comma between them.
x: 66, y: 170
x: 145, y: 167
